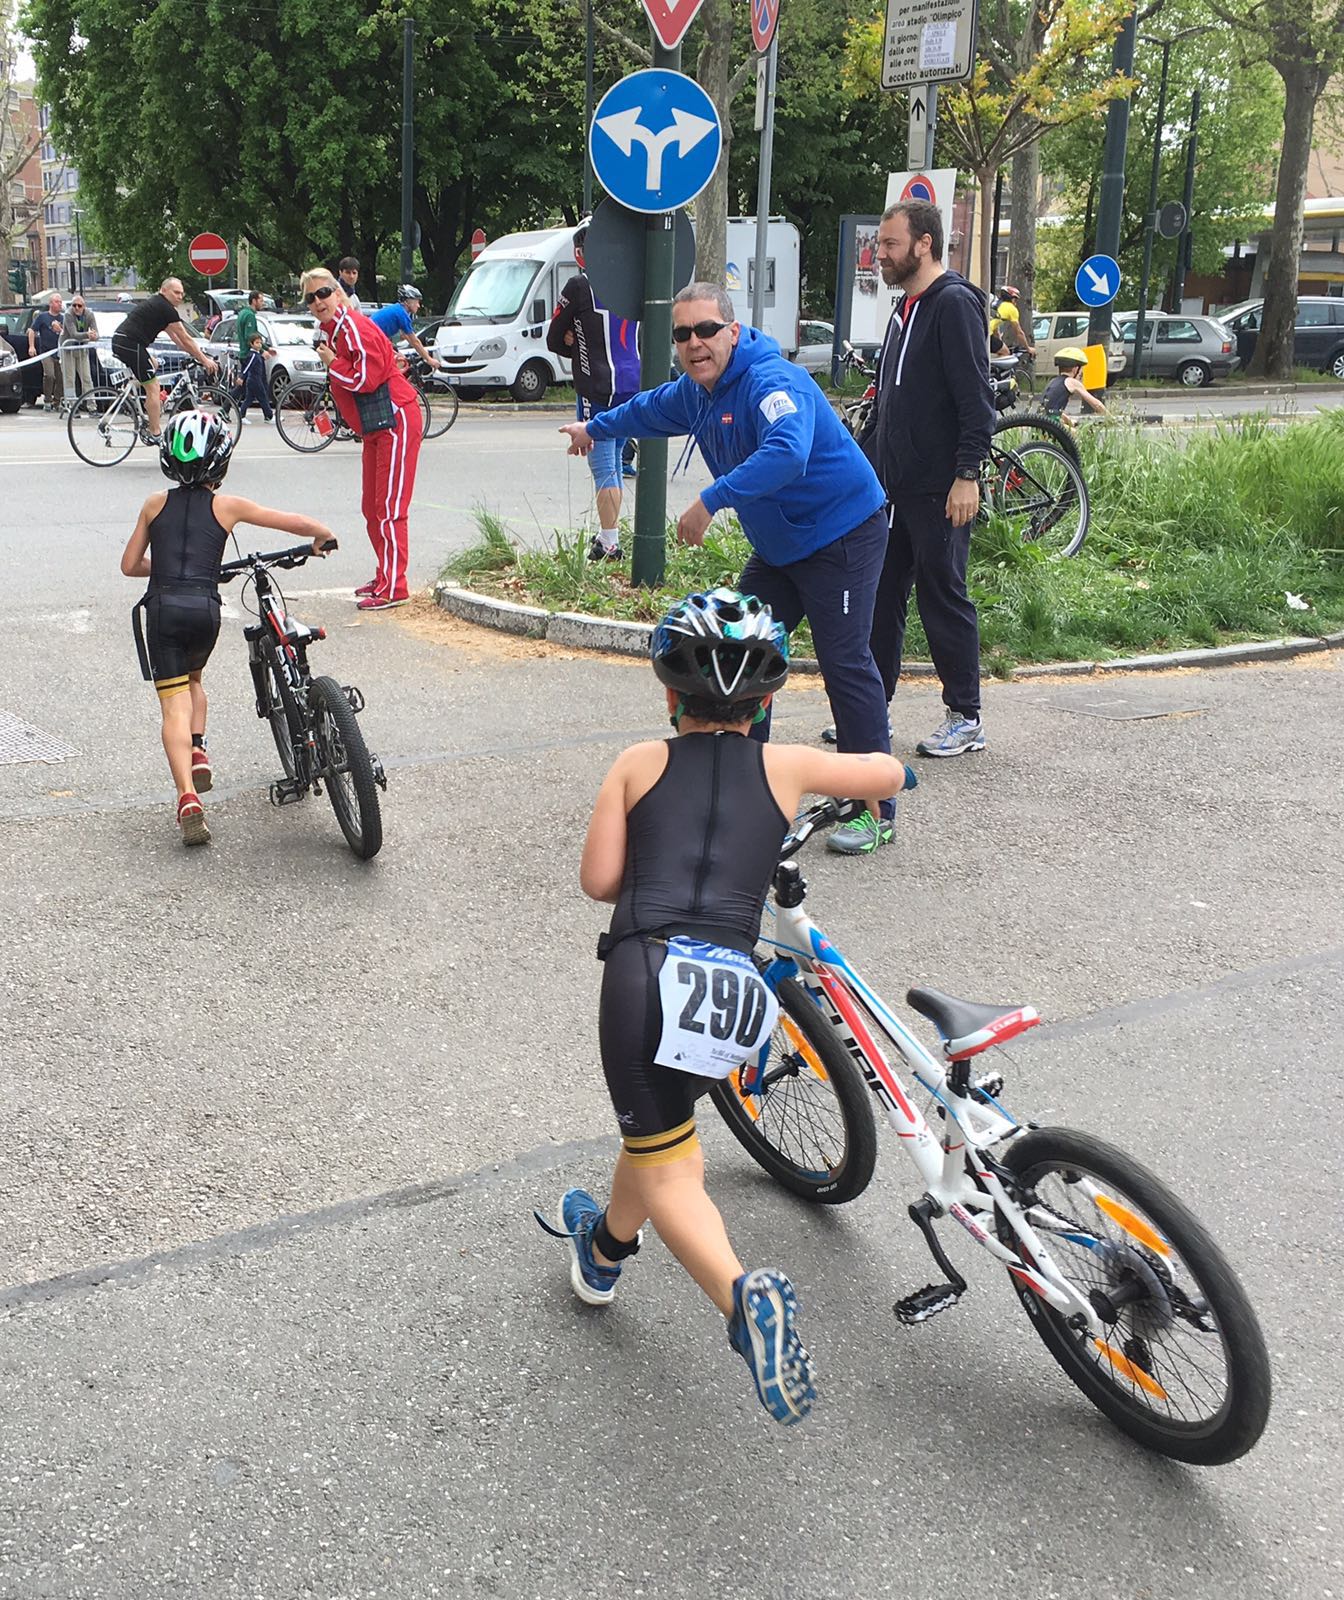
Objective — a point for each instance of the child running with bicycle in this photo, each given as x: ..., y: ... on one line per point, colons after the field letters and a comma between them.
x: 684, y: 838
x: 178, y: 544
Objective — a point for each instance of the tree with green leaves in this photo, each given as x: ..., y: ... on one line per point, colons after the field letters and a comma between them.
x: 1303, y: 41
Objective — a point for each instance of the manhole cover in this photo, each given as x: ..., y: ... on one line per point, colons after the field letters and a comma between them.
x: 20, y: 741
x: 1126, y: 707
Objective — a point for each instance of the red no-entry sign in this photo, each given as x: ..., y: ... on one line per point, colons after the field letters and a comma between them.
x: 209, y: 254
x: 477, y: 242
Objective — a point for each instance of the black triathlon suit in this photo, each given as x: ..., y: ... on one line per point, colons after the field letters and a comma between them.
x: 702, y: 846
x: 1056, y: 397
x: 131, y: 341
x: 186, y: 547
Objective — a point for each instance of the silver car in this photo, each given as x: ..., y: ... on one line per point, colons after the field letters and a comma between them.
x: 291, y: 335
x: 1193, y: 350
x: 815, y: 341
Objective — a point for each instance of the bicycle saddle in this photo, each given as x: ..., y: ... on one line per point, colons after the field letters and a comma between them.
x: 967, y: 1028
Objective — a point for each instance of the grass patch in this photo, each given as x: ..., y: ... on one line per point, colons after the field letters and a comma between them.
x: 1194, y: 541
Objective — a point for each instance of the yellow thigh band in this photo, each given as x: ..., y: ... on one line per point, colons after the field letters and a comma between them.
x: 166, y: 688
x: 657, y: 1149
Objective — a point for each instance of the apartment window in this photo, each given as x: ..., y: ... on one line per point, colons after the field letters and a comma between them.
x: 48, y: 150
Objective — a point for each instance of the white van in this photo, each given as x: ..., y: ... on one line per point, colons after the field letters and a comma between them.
x: 493, y: 335
x: 782, y: 304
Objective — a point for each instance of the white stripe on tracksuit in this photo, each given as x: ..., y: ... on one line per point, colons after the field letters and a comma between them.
x: 396, y: 480
x: 356, y: 380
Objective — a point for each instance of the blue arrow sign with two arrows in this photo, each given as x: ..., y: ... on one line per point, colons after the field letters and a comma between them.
x: 655, y: 140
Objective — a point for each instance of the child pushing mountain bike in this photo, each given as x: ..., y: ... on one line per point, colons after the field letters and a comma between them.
x: 684, y: 838
x: 178, y: 544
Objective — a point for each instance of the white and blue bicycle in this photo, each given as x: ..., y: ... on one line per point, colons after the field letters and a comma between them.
x: 1124, y: 1285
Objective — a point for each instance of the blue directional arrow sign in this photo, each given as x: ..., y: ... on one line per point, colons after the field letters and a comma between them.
x: 655, y: 140
x: 1097, y: 281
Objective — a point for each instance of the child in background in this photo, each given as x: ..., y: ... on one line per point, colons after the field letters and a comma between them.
x: 255, y: 387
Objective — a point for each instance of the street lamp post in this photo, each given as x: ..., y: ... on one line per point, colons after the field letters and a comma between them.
x: 76, y: 213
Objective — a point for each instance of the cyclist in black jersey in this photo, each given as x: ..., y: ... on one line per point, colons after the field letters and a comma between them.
x: 178, y: 544
x: 141, y: 326
x: 684, y: 838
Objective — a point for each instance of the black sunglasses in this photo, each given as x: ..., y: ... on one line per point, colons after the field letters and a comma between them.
x: 324, y: 293
x: 702, y: 330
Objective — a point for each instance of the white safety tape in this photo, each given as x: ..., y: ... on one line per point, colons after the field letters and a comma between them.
x: 52, y: 355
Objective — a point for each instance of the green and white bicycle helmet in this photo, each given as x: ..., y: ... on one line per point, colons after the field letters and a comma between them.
x: 195, y: 448
x: 721, y: 646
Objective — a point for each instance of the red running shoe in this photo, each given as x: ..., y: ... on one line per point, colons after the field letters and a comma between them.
x: 201, y: 775
x: 191, y: 820
x: 378, y: 602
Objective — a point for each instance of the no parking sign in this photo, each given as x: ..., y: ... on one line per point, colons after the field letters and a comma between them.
x: 920, y: 187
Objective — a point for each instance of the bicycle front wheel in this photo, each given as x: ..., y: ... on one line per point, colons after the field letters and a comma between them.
x: 1041, y: 493
x: 1017, y: 428
x: 442, y: 402
x: 347, y: 768
x: 284, y: 716
x: 306, y: 416
x: 216, y: 401
x: 807, y: 1118
x: 1181, y: 1365
x: 102, y: 427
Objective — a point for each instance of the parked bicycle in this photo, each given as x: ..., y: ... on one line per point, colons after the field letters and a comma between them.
x: 307, y: 419
x: 1123, y: 1285
x: 312, y: 720
x: 105, y: 424
x: 1030, y: 479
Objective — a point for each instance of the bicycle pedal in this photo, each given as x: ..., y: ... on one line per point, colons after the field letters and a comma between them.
x: 286, y: 793
x: 355, y: 698
x: 379, y: 774
x: 926, y: 1303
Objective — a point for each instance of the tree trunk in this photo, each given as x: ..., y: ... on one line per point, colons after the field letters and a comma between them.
x: 984, y: 223
x: 713, y: 70
x: 1023, y: 199
x: 1273, y: 356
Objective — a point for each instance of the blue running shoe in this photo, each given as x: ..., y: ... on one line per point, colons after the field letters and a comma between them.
x: 594, y: 1284
x: 761, y: 1330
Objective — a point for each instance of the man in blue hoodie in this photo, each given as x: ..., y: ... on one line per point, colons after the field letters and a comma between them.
x: 808, y: 500
x: 927, y: 435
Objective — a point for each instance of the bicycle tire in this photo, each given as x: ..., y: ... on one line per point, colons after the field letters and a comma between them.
x: 298, y: 408
x: 283, y: 715
x: 1039, y: 489
x: 812, y: 1062
x: 1032, y: 426
x: 103, y: 427
x: 217, y: 400
x: 423, y: 403
x: 443, y: 406
x: 1051, y: 1162
x: 347, y: 768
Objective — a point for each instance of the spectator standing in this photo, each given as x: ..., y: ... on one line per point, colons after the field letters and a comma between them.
x: 78, y: 332
x: 348, y: 274
x: 376, y: 401
x: 247, y: 325
x: 255, y: 388
x: 808, y: 501
x: 604, y: 351
x: 927, y: 435
x: 44, y: 339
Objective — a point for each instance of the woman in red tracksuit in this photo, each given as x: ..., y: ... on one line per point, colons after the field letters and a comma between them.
x: 359, y: 360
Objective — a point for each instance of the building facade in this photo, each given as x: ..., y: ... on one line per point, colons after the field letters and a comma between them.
x: 68, y: 265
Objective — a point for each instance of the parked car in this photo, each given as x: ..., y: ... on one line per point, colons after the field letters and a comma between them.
x: 11, y: 380
x: 1318, y: 331
x: 220, y: 302
x: 815, y: 342
x: 1193, y: 350
x: 14, y: 322
x: 1053, y: 330
x: 290, y: 334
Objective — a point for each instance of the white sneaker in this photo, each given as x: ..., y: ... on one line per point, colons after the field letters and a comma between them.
x: 954, y: 736
x: 246, y: 421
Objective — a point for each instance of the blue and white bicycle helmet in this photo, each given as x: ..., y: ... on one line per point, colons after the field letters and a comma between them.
x: 195, y: 448
x: 721, y: 646
x: 408, y: 291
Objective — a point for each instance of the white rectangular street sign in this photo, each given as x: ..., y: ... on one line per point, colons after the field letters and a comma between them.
x: 918, y: 136
x: 928, y: 41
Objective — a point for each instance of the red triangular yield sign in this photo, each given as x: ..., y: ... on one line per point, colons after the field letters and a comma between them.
x: 671, y: 18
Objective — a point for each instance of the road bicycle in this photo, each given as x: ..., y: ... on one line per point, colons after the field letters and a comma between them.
x: 105, y: 424
x: 439, y: 395
x: 1030, y: 479
x: 307, y: 419
x: 1124, y: 1286
x: 312, y: 720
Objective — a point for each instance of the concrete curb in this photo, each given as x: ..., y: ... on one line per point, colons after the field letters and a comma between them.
x: 613, y: 637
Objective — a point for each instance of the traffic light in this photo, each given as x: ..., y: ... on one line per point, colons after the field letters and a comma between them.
x: 18, y: 279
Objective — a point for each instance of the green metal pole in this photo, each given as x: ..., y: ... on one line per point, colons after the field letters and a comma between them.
x: 650, y: 552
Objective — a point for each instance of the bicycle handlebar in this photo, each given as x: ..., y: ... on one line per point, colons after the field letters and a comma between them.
x: 295, y: 556
x: 827, y: 811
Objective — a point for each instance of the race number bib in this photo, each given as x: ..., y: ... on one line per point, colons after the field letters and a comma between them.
x: 717, y: 1010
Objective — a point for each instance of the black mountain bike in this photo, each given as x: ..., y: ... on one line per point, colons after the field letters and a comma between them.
x: 312, y: 719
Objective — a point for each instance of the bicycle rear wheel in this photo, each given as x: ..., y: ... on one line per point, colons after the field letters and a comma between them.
x: 1182, y: 1366
x: 346, y: 766
x: 103, y: 426
x: 808, y: 1119
x: 306, y: 416
x: 442, y: 402
x: 216, y: 401
x: 1018, y: 427
x: 1040, y: 491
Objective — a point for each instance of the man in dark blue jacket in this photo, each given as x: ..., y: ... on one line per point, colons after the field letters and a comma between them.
x: 808, y: 501
x: 927, y: 435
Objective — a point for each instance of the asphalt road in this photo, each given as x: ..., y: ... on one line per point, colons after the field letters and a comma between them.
x: 275, y: 1319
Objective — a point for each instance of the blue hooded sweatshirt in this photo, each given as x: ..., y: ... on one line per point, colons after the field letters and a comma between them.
x: 780, y: 456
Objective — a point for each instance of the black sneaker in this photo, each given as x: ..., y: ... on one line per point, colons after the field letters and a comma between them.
x: 597, y: 551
